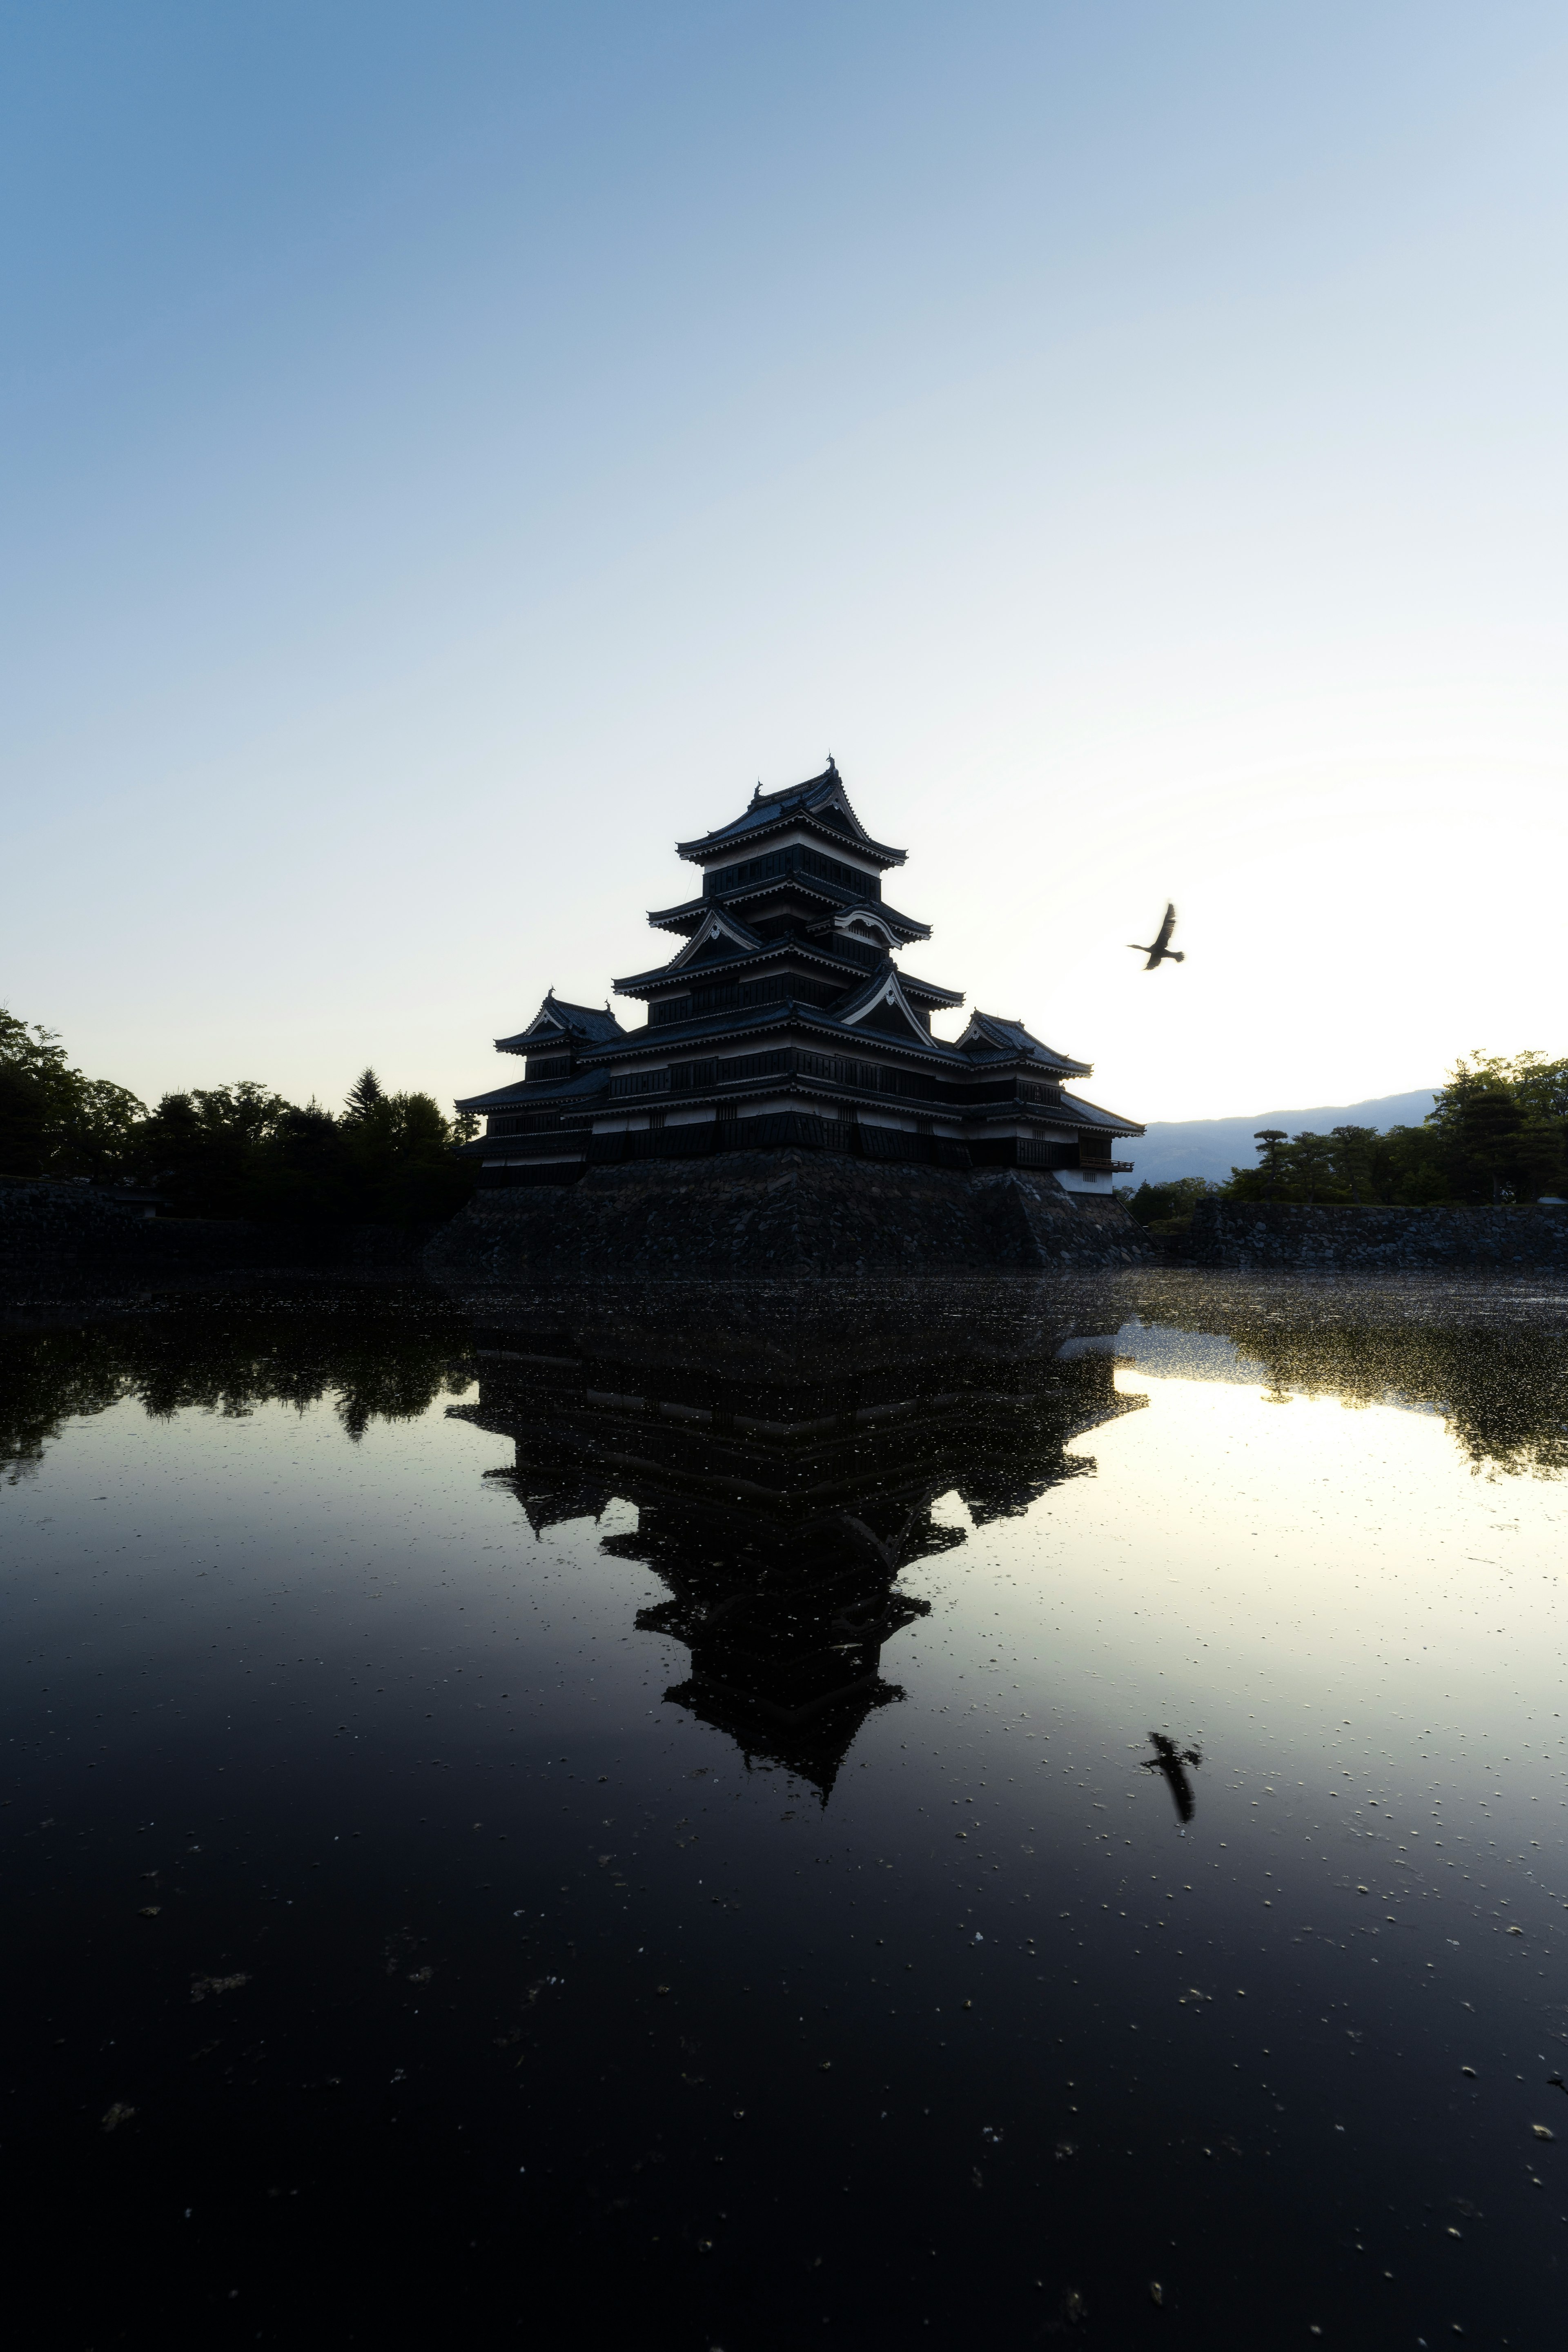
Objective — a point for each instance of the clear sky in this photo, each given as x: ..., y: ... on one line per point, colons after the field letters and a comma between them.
x: 452, y: 451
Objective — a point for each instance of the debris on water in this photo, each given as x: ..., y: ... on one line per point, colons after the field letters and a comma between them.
x: 1074, y: 2308
x: 1364, y: 1890
x: 420, y: 1975
x: 1544, y: 2131
x: 1065, y: 2147
x: 202, y: 1986
x: 1556, y: 2083
x: 825, y: 2067
x: 1156, y: 2292
x: 148, y: 1911
x: 113, y: 2116
x: 1469, y: 2071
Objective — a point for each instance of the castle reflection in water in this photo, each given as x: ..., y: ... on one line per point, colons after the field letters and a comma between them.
x: 785, y: 1462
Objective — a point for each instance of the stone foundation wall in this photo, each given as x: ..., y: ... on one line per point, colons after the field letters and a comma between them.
x: 778, y: 1214
x: 1388, y: 1241
x: 66, y: 1239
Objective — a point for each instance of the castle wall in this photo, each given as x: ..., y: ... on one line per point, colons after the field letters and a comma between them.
x: 1376, y: 1240
x: 780, y: 1214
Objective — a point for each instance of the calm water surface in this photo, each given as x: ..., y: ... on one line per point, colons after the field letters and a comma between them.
x: 733, y: 1819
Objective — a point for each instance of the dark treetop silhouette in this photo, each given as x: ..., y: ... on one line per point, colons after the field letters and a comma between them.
x: 1160, y: 951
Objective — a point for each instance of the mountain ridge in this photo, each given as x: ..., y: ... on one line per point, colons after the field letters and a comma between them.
x: 1213, y: 1147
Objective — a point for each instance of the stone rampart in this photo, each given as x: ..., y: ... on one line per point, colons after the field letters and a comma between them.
x: 61, y: 1238
x: 778, y: 1214
x: 1376, y: 1240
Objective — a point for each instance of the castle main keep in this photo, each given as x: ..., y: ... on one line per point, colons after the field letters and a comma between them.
x: 785, y: 1020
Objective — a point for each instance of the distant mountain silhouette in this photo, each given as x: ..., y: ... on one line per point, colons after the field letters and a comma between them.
x: 1213, y: 1147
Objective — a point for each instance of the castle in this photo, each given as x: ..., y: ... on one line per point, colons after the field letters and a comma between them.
x: 783, y: 1019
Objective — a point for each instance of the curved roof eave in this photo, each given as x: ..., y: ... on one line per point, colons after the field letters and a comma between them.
x: 755, y: 825
x: 693, y: 910
x: 675, y: 1034
x: 771, y: 951
x: 524, y: 1093
x: 791, y: 805
x: 1109, y: 1120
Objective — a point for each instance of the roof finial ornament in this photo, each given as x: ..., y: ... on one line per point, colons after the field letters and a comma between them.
x: 757, y: 795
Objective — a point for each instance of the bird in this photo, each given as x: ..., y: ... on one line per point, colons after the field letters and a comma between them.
x: 1168, y: 1760
x: 1161, y: 952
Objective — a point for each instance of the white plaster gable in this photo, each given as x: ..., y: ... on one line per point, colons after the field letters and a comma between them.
x: 887, y: 990
x: 717, y: 926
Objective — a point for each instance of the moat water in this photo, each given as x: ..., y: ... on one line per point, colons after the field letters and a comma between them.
x: 735, y: 1819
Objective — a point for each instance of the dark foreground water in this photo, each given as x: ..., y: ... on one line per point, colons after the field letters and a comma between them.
x: 736, y: 1819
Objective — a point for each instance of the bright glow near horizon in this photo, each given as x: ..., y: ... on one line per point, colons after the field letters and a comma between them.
x: 453, y: 453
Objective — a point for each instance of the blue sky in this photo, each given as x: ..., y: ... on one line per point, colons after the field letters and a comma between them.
x: 449, y: 453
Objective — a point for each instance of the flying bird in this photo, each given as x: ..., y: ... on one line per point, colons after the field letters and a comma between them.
x: 1162, y: 952
x: 1169, y: 1761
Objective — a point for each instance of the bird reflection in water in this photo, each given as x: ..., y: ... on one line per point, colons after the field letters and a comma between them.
x: 1171, y: 1762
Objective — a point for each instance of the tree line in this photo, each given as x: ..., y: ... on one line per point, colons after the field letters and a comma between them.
x: 387, y: 1359
x: 1497, y: 1133
x: 235, y: 1150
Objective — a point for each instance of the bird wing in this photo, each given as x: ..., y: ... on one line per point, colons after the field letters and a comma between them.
x: 1166, y: 927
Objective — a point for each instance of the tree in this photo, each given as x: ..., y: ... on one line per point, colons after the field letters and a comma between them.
x: 1311, y: 1160
x: 199, y: 1148
x: 1153, y: 1204
x: 1270, y: 1138
x: 1500, y: 1125
x: 54, y: 1121
x: 364, y: 1095
x: 1351, y: 1164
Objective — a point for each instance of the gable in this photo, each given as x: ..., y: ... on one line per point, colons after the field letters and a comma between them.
x: 720, y: 935
x: 893, y: 1021
x: 708, y: 947
x: 888, y: 1009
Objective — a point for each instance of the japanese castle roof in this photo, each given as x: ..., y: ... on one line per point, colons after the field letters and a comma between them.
x: 528, y: 1093
x: 988, y: 1034
x: 742, y: 954
x: 690, y: 912
x: 821, y: 799
x: 1088, y: 1114
x: 556, y: 1021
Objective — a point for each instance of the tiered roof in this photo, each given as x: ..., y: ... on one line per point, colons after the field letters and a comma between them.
x: 559, y: 1023
x: 786, y: 1003
x: 820, y: 804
